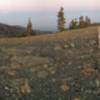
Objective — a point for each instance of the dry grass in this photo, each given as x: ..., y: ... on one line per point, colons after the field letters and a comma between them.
x: 88, y: 71
x: 79, y: 33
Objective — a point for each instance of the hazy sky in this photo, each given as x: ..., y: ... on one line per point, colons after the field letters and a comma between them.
x: 43, y: 12
x: 41, y: 5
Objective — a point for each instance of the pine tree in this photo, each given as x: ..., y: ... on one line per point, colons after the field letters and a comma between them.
x: 87, y: 20
x: 29, y: 27
x: 74, y: 24
x: 82, y: 23
x: 61, y: 20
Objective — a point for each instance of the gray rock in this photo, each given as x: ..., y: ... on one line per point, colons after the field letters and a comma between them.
x: 28, y: 60
x: 42, y: 74
x: 45, y: 66
x: 97, y: 81
x: 72, y: 45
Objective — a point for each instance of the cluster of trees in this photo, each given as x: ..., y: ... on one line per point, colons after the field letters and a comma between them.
x: 74, y: 24
x: 80, y: 23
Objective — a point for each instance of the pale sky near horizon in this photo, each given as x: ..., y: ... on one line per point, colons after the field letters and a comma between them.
x: 39, y: 5
x: 36, y: 9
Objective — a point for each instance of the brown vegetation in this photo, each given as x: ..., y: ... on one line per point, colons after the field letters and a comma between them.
x: 66, y: 35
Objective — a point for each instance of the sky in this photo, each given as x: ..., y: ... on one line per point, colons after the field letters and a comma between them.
x: 43, y: 12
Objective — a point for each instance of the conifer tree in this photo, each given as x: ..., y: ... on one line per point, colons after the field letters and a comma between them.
x: 29, y: 27
x: 87, y: 20
x: 73, y: 24
x: 61, y: 20
x: 82, y: 22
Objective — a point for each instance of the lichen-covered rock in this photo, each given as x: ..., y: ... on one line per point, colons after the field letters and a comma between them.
x: 28, y: 60
x: 42, y: 74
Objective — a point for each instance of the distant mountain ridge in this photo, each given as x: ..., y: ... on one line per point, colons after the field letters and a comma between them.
x: 16, y: 31
x: 11, y: 31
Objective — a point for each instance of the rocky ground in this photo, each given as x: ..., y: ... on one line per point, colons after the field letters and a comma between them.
x: 55, y: 70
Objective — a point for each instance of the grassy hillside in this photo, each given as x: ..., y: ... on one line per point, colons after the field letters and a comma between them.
x: 60, y: 66
x: 90, y: 32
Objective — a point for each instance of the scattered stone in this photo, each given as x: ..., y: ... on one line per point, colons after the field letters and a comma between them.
x: 70, y: 51
x: 82, y: 57
x: 88, y: 70
x: 91, y: 50
x: 15, y: 65
x: 60, y: 47
x: 65, y: 87
x: 72, y: 45
x: 45, y: 66
x: 25, y: 87
x: 97, y: 83
x: 6, y: 88
x: 76, y: 98
x: 70, y: 63
x: 28, y: 60
x: 93, y: 42
x: 33, y: 69
x: 12, y: 73
x: 51, y: 70
x: 53, y: 80
x: 42, y: 74
x: 66, y: 46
